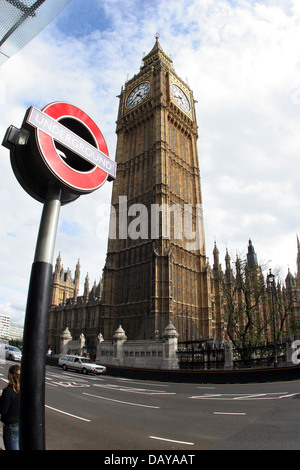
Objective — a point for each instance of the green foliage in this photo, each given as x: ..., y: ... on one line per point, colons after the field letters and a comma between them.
x: 250, y: 307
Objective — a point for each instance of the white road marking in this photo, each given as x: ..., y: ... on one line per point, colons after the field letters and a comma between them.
x: 71, y: 384
x: 253, y: 395
x: 4, y: 380
x: 139, y: 383
x: 290, y: 395
x: 68, y: 414
x: 119, y: 401
x: 244, y: 397
x: 228, y: 413
x: 172, y: 440
x: 143, y: 391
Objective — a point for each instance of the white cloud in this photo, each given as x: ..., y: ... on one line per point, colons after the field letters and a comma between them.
x: 241, y: 59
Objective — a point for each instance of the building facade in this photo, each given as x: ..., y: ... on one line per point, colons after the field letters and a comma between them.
x: 4, y: 326
x: 81, y: 313
x: 156, y: 270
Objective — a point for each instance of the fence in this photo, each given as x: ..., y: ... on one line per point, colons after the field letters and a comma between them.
x: 216, y: 355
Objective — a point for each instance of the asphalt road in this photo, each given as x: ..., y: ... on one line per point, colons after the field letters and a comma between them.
x: 116, y: 414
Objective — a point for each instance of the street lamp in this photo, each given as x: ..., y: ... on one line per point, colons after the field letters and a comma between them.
x: 271, y: 284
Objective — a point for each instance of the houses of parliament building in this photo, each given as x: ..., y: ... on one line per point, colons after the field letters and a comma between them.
x: 156, y: 270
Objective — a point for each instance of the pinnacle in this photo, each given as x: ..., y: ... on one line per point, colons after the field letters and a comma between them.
x: 157, y: 49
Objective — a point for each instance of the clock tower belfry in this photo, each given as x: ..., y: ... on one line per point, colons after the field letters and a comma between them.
x: 156, y: 270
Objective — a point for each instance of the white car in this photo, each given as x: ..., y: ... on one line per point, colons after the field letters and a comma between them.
x: 13, y: 353
x: 80, y: 363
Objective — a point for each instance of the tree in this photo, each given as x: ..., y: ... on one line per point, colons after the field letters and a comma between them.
x: 249, y: 308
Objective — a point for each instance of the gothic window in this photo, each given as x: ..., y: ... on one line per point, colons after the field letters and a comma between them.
x: 188, y: 288
x: 140, y: 284
x: 182, y: 153
x: 132, y: 183
x: 147, y: 134
x: 142, y: 175
x: 145, y: 138
x: 193, y: 294
x: 146, y: 284
x: 174, y: 283
x: 189, y: 150
x: 178, y: 285
x: 149, y: 163
x: 125, y: 289
x: 174, y: 140
x: 212, y: 310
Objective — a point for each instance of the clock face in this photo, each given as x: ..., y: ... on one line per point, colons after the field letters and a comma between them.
x: 138, y: 94
x: 180, y: 97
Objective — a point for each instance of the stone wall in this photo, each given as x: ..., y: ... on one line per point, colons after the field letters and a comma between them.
x: 156, y: 354
x: 70, y: 346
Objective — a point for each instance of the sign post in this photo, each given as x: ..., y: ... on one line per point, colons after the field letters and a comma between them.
x: 32, y: 392
x: 57, y: 155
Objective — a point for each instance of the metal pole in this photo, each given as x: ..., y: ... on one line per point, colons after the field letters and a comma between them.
x: 274, y: 328
x: 32, y: 389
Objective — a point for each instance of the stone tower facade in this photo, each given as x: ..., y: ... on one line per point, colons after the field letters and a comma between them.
x: 63, y: 285
x: 156, y: 269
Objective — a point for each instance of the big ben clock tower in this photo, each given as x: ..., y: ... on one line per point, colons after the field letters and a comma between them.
x: 156, y: 270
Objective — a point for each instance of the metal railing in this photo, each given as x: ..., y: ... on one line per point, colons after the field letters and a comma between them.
x: 207, y: 355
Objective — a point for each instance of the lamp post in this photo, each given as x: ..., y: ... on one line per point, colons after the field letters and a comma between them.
x: 271, y: 284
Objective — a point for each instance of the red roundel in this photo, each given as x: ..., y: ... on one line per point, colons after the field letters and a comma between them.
x: 85, y: 181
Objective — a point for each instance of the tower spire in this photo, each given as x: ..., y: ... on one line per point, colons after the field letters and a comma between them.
x: 156, y: 54
x: 216, y: 257
x: 251, y: 256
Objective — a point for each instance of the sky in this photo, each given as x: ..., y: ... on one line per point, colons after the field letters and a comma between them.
x: 241, y: 58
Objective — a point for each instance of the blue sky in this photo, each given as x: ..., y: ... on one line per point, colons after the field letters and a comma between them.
x: 241, y: 59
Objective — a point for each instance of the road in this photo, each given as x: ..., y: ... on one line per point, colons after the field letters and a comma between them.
x: 116, y: 414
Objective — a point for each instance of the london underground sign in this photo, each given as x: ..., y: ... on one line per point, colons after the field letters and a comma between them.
x: 43, y: 122
x: 48, y: 122
x: 60, y: 144
x: 58, y: 155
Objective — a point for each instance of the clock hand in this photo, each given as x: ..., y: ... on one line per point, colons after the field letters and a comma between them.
x: 178, y: 96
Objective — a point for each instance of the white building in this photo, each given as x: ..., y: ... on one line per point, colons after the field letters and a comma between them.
x: 16, y: 331
x: 4, y: 326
